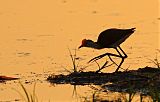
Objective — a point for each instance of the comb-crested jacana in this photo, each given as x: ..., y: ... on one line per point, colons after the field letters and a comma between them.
x: 110, y: 38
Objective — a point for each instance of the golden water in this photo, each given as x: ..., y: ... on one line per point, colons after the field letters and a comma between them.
x: 36, y: 35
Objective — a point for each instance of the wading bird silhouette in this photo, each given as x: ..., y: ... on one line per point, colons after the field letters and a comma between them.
x: 110, y: 38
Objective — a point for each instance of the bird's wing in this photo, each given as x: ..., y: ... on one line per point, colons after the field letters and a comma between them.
x: 111, y: 36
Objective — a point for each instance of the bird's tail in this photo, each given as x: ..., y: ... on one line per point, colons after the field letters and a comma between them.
x: 131, y: 30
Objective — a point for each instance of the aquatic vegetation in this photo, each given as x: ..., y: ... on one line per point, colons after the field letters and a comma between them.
x: 75, y: 63
x: 27, y: 96
x: 73, y: 59
x: 155, y: 62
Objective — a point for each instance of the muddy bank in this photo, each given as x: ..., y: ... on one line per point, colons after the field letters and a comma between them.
x: 142, y: 80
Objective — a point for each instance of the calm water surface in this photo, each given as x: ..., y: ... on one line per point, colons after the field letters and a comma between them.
x: 36, y: 35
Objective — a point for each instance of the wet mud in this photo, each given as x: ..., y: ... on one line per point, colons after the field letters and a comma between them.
x: 144, y: 80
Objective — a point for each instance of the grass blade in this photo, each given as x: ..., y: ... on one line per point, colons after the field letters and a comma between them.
x: 25, y: 91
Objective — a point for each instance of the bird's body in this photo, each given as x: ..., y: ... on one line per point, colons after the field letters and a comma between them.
x: 110, y: 38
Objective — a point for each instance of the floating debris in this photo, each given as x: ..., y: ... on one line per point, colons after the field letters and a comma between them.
x: 6, y: 78
x: 22, y: 54
x: 94, y: 12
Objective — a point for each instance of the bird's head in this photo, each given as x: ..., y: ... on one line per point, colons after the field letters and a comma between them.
x: 86, y: 43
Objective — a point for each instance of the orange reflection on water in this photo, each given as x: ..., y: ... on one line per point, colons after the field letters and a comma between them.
x: 36, y: 34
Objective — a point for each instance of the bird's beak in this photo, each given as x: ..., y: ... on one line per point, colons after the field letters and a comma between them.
x: 80, y: 47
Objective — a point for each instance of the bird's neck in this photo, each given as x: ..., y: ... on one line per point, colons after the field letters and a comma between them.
x: 94, y: 45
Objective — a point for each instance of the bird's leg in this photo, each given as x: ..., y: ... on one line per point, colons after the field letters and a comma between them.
x: 123, y: 57
x: 104, y: 65
x: 101, y: 56
x: 112, y: 60
x: 109, y: 55
x: 97, y: 58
